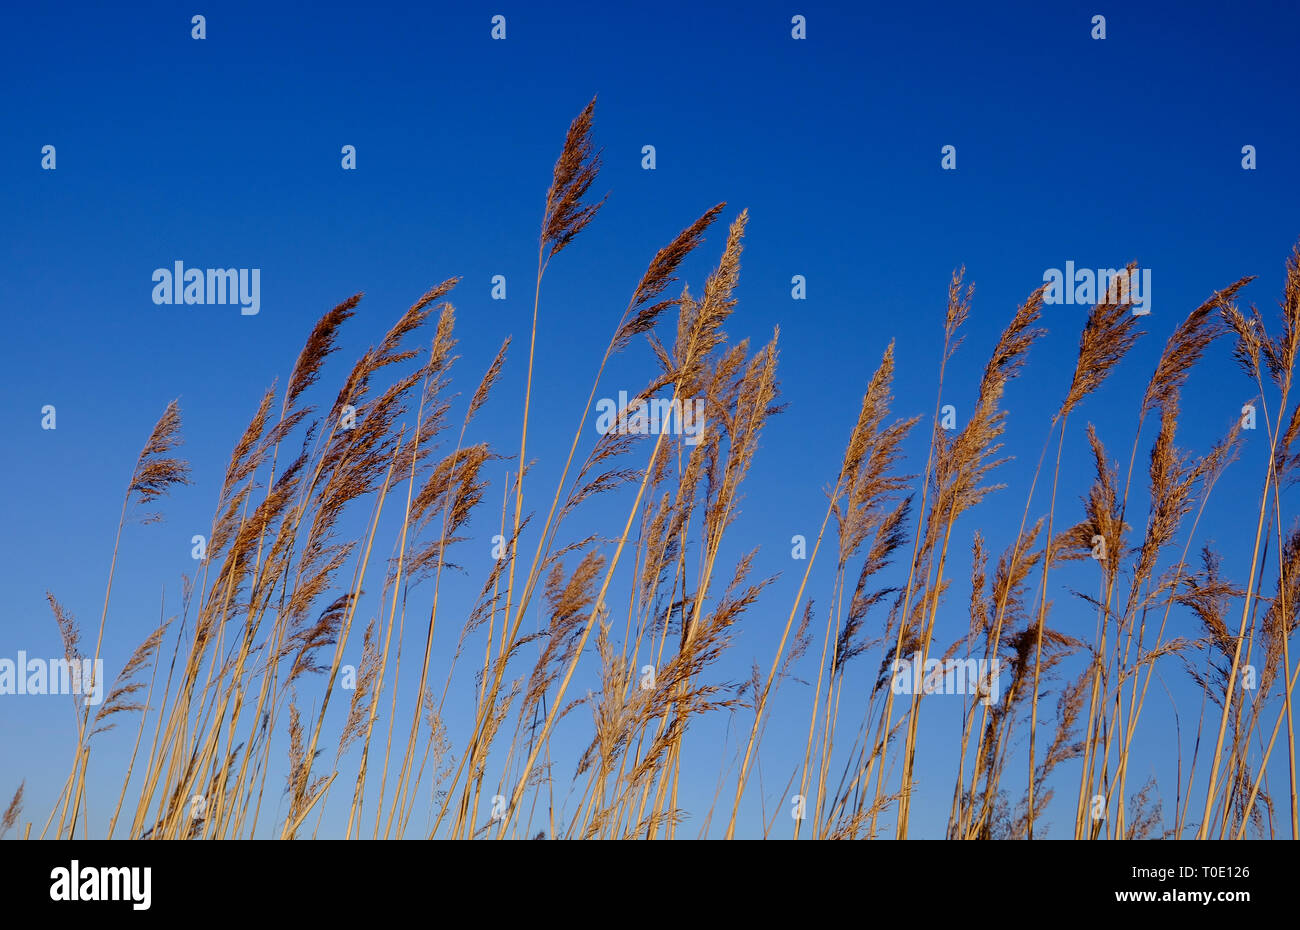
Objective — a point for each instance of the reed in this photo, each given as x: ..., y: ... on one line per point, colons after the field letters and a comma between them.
x: 312, y: 498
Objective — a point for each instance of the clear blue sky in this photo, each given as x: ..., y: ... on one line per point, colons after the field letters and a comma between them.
x: 226, y: 153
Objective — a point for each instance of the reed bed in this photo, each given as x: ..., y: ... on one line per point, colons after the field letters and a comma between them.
x: 239, y: 684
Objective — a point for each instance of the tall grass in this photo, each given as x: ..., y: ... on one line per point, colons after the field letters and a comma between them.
x: 247, y: 672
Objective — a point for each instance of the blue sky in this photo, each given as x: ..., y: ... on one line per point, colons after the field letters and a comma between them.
x: 226, y: 153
